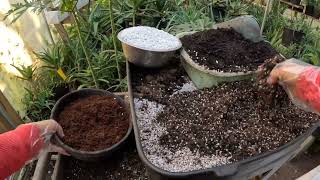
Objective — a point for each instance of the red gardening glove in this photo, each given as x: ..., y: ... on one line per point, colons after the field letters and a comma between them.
x: 25, y: 143
x: 301, y: 81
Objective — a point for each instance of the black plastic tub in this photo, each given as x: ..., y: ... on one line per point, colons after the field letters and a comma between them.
x: 88, y: 155
x: 264, y: 164
x: 291, y: 36
x: 309, y: 10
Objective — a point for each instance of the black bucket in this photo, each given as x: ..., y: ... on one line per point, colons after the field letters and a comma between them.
x: 309, y: 10
x: 290, y: 36
x: 88, y: 155
x: 264, y: 164
x: 316, y: 13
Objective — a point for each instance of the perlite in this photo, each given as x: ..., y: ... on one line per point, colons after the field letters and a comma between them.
x: 149, y: 38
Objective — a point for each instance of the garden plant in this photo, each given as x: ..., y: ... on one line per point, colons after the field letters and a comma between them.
x: 92, y: 57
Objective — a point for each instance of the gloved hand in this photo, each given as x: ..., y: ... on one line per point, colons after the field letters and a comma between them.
x: 47, y: 129
x: 301, y: 82
x: 25, y: 143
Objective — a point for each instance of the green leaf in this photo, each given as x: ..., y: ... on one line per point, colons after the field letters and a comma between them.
x: 68, y: 5
x: 95, y: 28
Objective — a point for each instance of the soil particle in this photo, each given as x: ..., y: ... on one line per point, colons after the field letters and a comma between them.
x: 196, y: 129
x: 226, y: 50
x: 272, y: 95
x: 226, y: 121
x: 94, y: 123
x: 158, y: 84
x: 182, y: 160
x: 122, y: 166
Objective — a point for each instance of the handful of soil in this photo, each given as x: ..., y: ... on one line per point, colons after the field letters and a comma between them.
x: 94, y: 123
x: 226, y: 50
x: 273, y: 95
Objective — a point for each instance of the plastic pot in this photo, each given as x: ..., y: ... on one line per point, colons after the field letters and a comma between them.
x: 219, y: 12
x: 309, y: 10
x: 88, y: 155
x: 205, y: 78
x: 316, y: 13
x: 296, y: 2
x: 60, y: 91
x: 290, y: 36
x: 265, y: 163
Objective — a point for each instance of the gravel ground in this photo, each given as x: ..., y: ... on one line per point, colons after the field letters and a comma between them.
x: 149, y: 38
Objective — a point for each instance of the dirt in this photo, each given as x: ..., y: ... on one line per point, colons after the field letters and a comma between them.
x: 94, y: 123
x: 226, y: 120
x: 272, y: 94
x: 232, y: 120
x: 124, y: 165
x: 158, y: 84
x: 226, y: 50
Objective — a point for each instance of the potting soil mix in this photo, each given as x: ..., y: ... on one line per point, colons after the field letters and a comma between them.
x: 226, y: 50
x: 183, y: 129
x: 94, y: 123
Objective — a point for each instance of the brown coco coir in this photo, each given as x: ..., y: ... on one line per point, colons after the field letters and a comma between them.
x: 94, y: 123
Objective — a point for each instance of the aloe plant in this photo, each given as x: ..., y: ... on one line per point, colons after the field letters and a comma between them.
x: 27, y: 72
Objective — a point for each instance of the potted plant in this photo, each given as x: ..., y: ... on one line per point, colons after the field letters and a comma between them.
x: 219, y: 8
x: 293, y: 32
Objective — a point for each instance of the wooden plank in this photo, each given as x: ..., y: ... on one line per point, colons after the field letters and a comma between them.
x: 41, y: 170
x: 58, y: 169
x: 4, y: 126
x: 292, y: 5
x: 311, y: 175
x: 62, y: 32
x: 12, y: 114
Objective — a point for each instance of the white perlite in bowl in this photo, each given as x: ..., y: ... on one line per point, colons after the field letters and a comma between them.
x: 183, y: 160
x: 149, y: 38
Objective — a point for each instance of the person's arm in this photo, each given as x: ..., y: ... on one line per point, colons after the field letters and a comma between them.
x: 301, y: 81
x: 24, y: 143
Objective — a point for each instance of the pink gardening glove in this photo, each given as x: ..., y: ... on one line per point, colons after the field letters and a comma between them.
x: 25, y: 143
x: 301, y: 82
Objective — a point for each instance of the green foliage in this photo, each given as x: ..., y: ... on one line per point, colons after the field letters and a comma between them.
x: 27, y: 72
x: 38, y: 103
x: 311, y: 2
x: 93, y: 58
x: 236, y: 8
x: 312, y: 56
x: 68, y: 5
x: 19, y: 9
x: 52, y: 57
x: 298, y: 23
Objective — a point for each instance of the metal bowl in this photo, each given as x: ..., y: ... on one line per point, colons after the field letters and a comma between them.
x: 148, y: 58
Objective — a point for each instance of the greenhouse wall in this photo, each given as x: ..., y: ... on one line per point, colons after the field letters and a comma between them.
x: 18, y: 40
